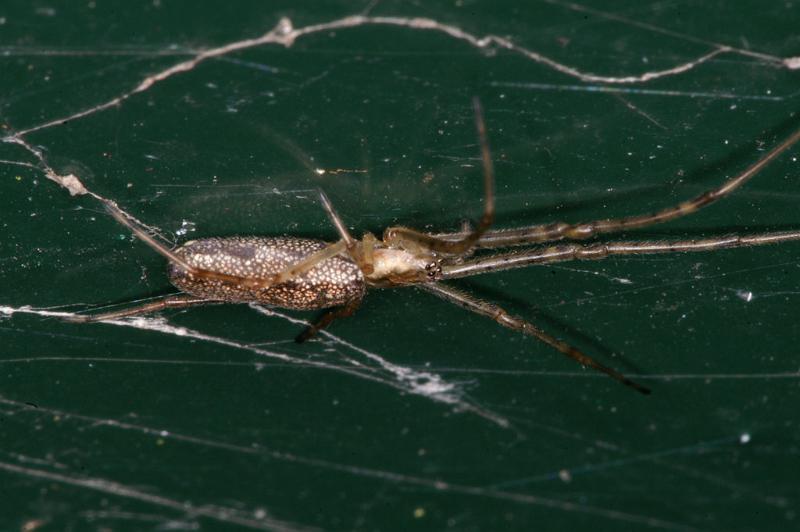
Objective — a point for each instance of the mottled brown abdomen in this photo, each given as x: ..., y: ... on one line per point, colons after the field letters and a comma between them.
x: 333, y: 282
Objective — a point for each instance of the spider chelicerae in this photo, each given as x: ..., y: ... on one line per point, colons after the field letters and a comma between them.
x: 301, y: 273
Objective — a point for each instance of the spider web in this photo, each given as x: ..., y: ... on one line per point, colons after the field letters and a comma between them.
x: 411, y: 413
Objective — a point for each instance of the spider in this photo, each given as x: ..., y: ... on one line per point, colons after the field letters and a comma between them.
x: 301, y: 273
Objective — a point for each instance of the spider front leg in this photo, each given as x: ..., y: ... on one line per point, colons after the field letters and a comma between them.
x: 552, y: 232
x: 505, y: 319
x: 601, y: 250
x: 418, y: 242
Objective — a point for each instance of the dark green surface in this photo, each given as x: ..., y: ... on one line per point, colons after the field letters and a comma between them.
x: 253, y: 440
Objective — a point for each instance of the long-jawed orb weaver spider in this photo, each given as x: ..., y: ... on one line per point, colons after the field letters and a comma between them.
x: 301, y: 273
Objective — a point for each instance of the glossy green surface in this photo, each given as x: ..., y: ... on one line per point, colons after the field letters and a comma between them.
x: 213, y: 419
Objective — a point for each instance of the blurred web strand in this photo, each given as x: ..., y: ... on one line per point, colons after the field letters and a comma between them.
x: 381, y: 371
x: 285, y: 34
x: 231, y: 516
x: 791, y: 63
x: 418, y: 382
x: 433, y: 484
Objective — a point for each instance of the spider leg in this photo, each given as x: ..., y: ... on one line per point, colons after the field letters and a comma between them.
x: 331, y: 250
x: 327, y: 319
x: 173, y: 301
x: 579, y: 231
x: 281, y: 277
x: 411, y: 239
x: 123, y: 218
x: 502, y: 317
x: 336, y: 220
x: 360, y: 252
x: 368, y: 242
x: 567, y: 252
x: 189, y: 300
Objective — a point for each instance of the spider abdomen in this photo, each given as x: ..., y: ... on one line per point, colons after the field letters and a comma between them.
x: 333, y: 282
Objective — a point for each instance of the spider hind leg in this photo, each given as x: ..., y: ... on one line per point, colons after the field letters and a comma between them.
x: 172, y: 301
x: 505, y: 319
x: 327, y: 319
x: 406, y: 238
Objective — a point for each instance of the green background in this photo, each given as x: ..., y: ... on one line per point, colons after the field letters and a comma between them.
x: 222, y: 422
